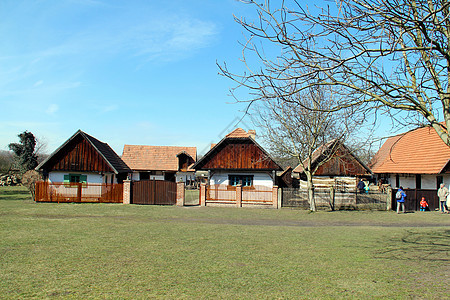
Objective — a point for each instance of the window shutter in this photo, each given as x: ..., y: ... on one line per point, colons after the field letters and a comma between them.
x: 83, y: 178
x: 66, y: 178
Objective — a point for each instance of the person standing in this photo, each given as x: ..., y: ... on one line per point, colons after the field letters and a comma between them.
x: 448, y: 201
x: 400, y: 196
x: 361, y: 186
x: 442, y: 194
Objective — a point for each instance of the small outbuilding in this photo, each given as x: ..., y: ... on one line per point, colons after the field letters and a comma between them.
x: 170, y: 163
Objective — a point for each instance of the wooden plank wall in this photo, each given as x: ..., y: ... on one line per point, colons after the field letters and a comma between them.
x: 244, y: 155
x: 78, y: 155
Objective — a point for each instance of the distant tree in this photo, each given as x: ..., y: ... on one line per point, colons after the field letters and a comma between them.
x: 6, y: 161
x: 25, y: 155
x: 29, y: 180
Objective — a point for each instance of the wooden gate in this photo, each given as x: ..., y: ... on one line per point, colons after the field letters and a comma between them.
x: 156, y: 192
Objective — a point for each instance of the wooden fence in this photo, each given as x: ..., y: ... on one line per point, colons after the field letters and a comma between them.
x: 413, y: 197
x: 225, y: 194
x: 220, y: 194
x: 79, y: 192
x: 258, y: 194
x: 156, y: 192
x: 333, y: 198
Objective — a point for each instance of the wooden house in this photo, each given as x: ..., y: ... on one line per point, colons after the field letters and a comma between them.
x: 239, y: 160
x: 284, y: 178
x: 343, y: 163
x: 84, y: 159
x: 417, y: 159
x: 169, y: 163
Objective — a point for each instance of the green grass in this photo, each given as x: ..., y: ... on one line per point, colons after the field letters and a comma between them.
x: 50, y: 250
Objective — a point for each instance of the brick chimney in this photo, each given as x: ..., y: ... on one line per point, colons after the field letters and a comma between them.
x: 252, y: 133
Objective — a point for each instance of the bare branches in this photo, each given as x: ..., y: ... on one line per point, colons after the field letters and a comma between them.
x: 302, y: 127
x: 379, y: 55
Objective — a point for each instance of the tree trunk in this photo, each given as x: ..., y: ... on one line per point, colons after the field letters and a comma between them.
x: 332, y: 198
x: 310, y: 189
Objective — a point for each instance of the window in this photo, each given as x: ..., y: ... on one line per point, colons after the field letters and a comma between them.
x: 244, y: 180
x: 75, y: 178
x: 144, y: 175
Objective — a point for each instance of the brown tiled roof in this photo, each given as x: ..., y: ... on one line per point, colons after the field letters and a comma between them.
x: 157, y: 158
x: 238, y: 133
x: 419, y: 151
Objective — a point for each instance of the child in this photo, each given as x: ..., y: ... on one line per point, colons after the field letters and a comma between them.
x: 423, y: 204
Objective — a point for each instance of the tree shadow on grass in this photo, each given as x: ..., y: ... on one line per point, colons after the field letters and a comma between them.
x: 13, y: 193
x: 428, y: 246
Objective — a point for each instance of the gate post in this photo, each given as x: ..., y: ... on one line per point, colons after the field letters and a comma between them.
x: 239, y: 195
x: 275, y: 196
x: 202, y: 194
x: 126, y: 191
x: 388, y: 198
x: 180, y: 193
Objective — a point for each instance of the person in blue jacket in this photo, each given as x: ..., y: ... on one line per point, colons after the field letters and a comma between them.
x: 400, y: 196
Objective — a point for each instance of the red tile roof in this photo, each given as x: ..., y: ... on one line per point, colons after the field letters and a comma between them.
x: 238, y: 133
x: 157, y: 158
x: 419, y: 151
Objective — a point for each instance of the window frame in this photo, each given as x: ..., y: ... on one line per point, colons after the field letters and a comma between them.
x: 243, y: 180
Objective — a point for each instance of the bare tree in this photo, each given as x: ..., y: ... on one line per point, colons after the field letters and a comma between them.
x: 291, y: 130
x: 387, y: 57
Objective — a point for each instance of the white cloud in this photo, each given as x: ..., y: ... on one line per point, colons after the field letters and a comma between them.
x: 38, y: 83
x: 52, y: 109
x: 110, y: 108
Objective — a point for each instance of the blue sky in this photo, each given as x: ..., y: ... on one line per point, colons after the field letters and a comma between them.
x: 126, y: 72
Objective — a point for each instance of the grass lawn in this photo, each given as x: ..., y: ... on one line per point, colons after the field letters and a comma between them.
x: 50, y: 250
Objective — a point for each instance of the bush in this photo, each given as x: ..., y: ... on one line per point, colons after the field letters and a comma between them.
x: 29, y: 179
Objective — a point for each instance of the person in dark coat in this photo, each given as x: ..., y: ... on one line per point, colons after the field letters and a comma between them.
x: 361, y: 186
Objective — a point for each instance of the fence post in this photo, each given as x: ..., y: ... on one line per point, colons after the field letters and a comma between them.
x: 126, y: 191
x: 180, y: 193
x: 332, y: 198
x: 388, y: 198
x: 275, y: 196
x: 239, y: 195
x: 202, y: 194
x: 280, y: 197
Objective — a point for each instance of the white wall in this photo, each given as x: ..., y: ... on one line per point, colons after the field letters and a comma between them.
x: 258, y: 178
x: 185, y: 176
x: 428, y: 181
x: 91, y: 178
x: 136, y: 177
